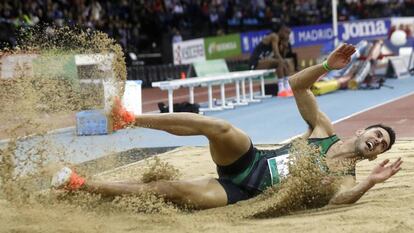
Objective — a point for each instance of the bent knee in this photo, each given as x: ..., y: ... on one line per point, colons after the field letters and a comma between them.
x: 274, y: 63
x: 223, y: 126
x: 219, y: 127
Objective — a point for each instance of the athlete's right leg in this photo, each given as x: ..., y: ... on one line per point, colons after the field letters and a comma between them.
x: 227, y: 143
x: 181, y: 124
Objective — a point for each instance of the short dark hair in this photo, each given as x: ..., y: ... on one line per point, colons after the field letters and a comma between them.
x: 389, y: 130
x: 277, y: 26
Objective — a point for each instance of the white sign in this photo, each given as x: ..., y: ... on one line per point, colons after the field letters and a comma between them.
x: 399, y: 67
x: 104, y: 61
x: 316, y: 34
x: 188, y: 51
x: 403, y: 23
x: 363, y: 29
x: 132, y: 97
x: 10, y: 64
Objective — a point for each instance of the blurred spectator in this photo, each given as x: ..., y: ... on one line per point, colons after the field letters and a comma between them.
x: 214, y: 21
x: 176, y: 36
x: 139, y: 23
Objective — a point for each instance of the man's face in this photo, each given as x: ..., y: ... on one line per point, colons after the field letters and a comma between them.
x: 372, y: 142
x: 285, y: 33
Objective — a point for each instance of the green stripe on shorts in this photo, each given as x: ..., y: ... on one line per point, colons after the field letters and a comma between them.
x: 240, y: 177
x: 273, y: 171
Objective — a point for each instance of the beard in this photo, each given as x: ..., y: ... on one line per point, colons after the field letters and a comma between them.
x: 360, y: 150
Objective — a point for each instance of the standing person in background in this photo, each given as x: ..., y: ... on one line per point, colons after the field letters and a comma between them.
x: 268, y: 55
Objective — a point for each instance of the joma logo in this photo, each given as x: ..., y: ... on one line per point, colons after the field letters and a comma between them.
x: 362, y: 29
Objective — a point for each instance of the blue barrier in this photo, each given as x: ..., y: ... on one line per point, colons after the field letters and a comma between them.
x: 311, y: 35
x: 249, y: 40
x: 351, y: 32
x: 322, y: 34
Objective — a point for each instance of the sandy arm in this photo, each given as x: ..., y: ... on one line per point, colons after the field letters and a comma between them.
x: 301, y: 83
x: 353, y: 194
x: 379, y: 174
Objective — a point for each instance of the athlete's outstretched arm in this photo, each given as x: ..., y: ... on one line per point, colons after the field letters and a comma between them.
x: 379, y: 174
x: 302, y: 81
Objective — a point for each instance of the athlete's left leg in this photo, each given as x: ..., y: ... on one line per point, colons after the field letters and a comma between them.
x: 203, y: 193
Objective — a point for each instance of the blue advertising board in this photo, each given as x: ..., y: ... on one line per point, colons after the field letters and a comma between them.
x: 351, y: 32
x: 354, y: 31
x: 322, y: 34
x: 311, y: 35
x: 249, y: 40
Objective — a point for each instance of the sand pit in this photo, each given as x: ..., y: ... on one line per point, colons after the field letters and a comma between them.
x: 386, y: 208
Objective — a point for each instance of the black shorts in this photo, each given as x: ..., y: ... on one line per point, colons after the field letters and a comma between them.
x: 237, y: 191
x: 253, y: 62
x: 234, y: 192
x: 261, y: 51
x: 250, y: 175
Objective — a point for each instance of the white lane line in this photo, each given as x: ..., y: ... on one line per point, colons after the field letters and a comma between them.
x: 372, y: 107
x: 356, y: 113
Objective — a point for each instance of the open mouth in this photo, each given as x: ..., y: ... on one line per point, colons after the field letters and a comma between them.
x: 370, y: 145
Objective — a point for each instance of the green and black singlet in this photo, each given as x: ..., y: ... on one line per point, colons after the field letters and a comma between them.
x: 258, y: 169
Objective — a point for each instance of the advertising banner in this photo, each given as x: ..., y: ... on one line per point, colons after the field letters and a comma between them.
x: 249, y: 40
x: 188, y: 51
x: 403, y: 23
x: 222, y: 46
x: 311, y: 35
x: 352, y: 32
x: 234, y: 44
x: 210, y: 67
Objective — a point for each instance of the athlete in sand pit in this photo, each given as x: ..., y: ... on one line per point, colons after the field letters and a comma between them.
x: 245, y: 171
x: 270, y: 53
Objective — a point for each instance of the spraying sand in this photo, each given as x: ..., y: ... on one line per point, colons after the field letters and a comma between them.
x: 29, y: 99
x: 386, y: 208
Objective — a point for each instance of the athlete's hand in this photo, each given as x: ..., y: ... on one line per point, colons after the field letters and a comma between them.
x: 341, y: 56
x: 381, y: 172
